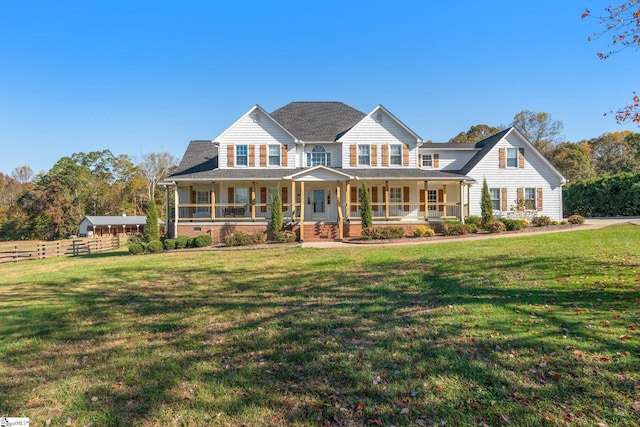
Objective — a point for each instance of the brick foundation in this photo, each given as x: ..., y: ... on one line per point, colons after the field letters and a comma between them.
x: 219, y: 231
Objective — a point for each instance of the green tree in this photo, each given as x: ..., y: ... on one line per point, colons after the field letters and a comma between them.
x: 152, y: 230
x: 276, y: 213
x: 572, y: 160
x: 539, y: 129
x: 475, y: 133
x: 616, y: 152
x: 485, y: 204
x: 366, y: 213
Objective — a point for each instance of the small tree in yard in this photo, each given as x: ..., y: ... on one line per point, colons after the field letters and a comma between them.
x: 485, y: 204
x: 365, y: 207
x: 276, y: 214
x: 152, y: 231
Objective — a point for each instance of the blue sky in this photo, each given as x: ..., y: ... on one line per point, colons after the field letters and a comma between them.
x: 138, y: 77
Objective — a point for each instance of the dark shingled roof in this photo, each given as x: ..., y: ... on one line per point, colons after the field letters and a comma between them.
x: 449, y: 145
x: 317, y: 121
x: 199, y: 160
x: 406, y: 173
x: 485, y: 146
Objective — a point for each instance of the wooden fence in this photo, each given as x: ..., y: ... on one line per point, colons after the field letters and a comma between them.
x: 41, y: 250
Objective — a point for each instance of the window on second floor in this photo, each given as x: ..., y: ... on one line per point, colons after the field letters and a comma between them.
x: 512, y: 158
x: 318, y: 157
x: 395, y: 155
x: 364, y: 155
x: 242, y: 155
x: 274, y: 155
x: 427, y: 160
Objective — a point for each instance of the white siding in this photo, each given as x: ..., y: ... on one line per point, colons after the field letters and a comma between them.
x: 248, y: 131
x: 451, y: 159
x: 387, y: 131
x: 334, y: 149
x: 535, y: 174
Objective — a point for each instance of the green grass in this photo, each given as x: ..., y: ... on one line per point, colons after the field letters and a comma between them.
x: 532, y: 330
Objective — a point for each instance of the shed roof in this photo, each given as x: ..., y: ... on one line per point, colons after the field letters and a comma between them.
x: 118, y: 220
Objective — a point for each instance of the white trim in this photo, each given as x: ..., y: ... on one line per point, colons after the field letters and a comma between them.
x: 319, y: 167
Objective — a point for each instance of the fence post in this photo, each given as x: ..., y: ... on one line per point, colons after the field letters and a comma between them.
x: 15, y: 253
x: 57, y: 249
x: 73, y: 248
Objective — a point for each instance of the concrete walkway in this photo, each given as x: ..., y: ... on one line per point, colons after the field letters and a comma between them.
x: 589, y: 224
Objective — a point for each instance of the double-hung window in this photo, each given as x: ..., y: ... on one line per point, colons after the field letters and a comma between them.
x: 242, y: 195
x: 530, y: 198
x: 395, y: 155
x: 242, y: 155
x: 274, y: 155
x: 364, y: 155
x: 395, y: 195
x: 495, y: 198
x: 202, y: 198
x: 512, y: 158
x: 427, y: 160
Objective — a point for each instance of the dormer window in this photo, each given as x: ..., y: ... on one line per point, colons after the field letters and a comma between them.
x: 512, y: 158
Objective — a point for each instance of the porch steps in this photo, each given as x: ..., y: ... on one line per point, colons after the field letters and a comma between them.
x: 321, y: 232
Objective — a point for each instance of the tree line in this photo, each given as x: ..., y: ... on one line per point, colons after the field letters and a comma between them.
x: 50, y: 205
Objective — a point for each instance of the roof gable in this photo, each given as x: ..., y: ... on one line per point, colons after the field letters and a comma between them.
x: 486, y: 145
x: 378, y: 115
x: 317, y: 121
x: 256, y: 112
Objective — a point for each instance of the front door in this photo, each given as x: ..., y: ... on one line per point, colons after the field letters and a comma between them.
x: 318, y: 205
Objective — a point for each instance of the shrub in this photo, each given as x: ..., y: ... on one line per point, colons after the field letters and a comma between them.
x: 472, y: 219
x: 564, y: 222
x: 136, y: 238
x: 554, y: 222
x: 495, y: 226
x: 541, y: 221
x: 383, y: 233
x: 366, y: 215
x: 423, y: 231
x: 152, y: 229
x: 284, y: 237
x: 136, y: 248
x: 154, y: 246
x: 201, y: 241
x: 242, y: 239
x: 276, y: 213
x: 169, y: 244
x: 575, y: 219
x: 514, y: 224
x: 486, y: 206
x: 456, y: 228
x: 182, y: 242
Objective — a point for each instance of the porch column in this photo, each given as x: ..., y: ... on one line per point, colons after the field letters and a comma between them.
x: 386, y: 200
x: 348, y: 200
x: 468, y: 199
x: 252, y: 201
x: 302, y: 202
x: 461, y: 203
x: 340, y: 217
x: 444, y: 200
x: 213, y: 205
x: 426, y: 200
x: 176, y: 211
x: 293, y: 201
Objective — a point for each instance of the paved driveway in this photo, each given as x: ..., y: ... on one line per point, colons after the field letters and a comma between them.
x: 589, y: 224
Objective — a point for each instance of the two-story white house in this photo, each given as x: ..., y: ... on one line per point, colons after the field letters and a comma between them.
x: 318, y: 154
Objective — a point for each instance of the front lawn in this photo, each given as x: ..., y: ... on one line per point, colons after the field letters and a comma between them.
x: 531, y: 330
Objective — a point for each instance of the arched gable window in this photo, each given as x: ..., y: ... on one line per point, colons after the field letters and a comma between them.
x: 319, y: 156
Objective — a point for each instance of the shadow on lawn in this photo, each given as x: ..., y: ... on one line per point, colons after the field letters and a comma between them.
x: 358, y: 344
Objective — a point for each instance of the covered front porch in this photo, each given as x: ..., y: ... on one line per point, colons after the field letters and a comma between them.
x: 314, y: 196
